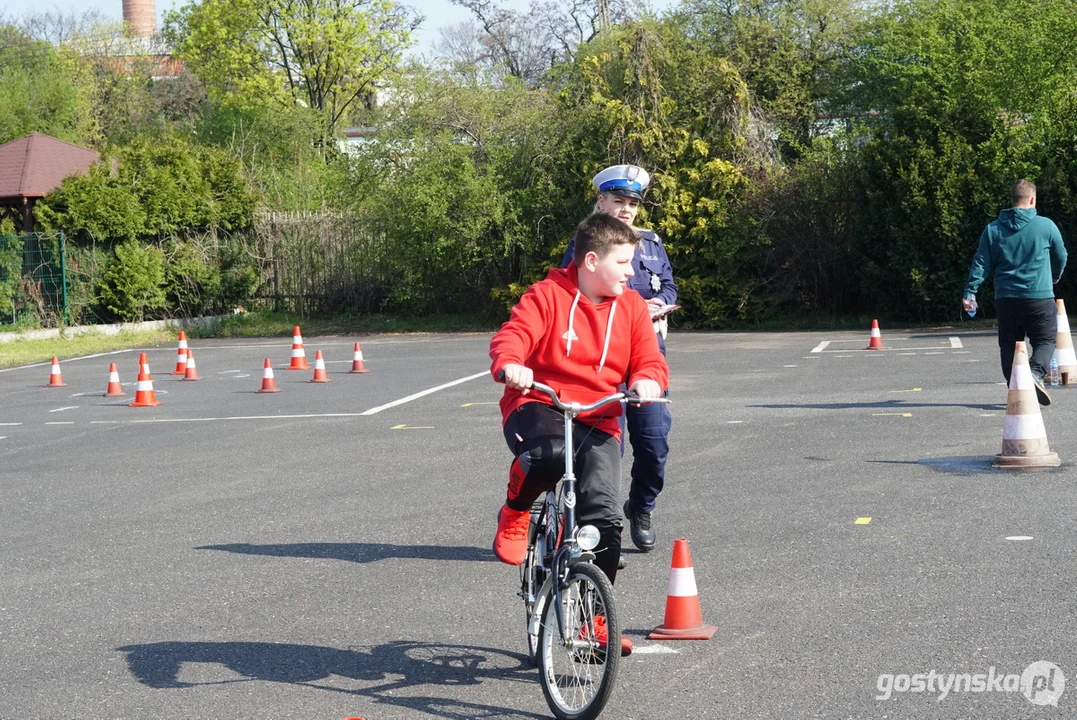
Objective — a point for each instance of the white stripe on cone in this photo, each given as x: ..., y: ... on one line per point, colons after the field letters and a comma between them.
x: 875, y: 333
x: 114, y: 377
x: 144, y: 386
x: 297, y: 339
x: 1063, y: 323
x: 268, y: 374
x: 1065, y: 356
x: 358, y: 356
x: 1021, y: 377
x: 55, y: 370
x: 1024, y: 427
x: 298, y: 352
x: 682, y: 582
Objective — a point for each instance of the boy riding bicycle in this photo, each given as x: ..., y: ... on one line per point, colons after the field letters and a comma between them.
x: 581, y: 333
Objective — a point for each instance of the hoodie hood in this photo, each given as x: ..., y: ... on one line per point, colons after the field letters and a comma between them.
x: 1016, y: 218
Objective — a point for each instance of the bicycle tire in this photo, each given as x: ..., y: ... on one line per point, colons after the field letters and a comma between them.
x: 578, y: 677
x: 531, y: 579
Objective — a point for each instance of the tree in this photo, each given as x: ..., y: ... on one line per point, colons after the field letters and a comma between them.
x: 327, y: 55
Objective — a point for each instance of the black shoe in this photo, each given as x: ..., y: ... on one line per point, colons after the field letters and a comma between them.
x: 1041, y: 391
x: 643, y: 536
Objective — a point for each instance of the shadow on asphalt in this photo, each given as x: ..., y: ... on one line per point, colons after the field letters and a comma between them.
x: 882, y: 404
x: 395, y: 666
x: 969, y: 465
x: 359, y: 552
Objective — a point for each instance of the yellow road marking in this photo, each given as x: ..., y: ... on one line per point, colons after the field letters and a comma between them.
x: 479, y: 403
x: 863, y: 521
x: 412, y: 427
x: 895, y: 414
x: 913, y: 390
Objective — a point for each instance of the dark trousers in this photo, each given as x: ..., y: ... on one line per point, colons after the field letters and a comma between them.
x: 648, y: 431
x: 1018, y: 318
x: 535, y: 433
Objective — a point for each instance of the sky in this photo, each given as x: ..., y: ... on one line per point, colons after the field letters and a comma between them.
x: 438, y: 13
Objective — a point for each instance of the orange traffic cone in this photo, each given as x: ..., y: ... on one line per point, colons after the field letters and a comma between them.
x: 144, y: 395
x: 876, y: 342
x: 1064, y: 356
x: 299, y: 355
x: 144, y: 366
x: 114, y: 389
x: 319, y: 369
x: 1024, y: 440
x: 684, y: 619
x: 191, y: 370
x: 181, y: 355
x: 357, y: 363
x: 269, y: 384
x: 55, y: 378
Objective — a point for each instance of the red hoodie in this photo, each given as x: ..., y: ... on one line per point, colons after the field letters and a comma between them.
x: 581, y: 349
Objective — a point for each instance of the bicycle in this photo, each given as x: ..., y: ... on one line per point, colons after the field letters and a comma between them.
x: 573, y: 633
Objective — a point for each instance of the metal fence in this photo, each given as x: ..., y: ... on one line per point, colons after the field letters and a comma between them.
x: 33, y: 285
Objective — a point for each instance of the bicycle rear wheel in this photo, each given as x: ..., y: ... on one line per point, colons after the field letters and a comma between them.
x: 532, y: 575
x: 578, y: 671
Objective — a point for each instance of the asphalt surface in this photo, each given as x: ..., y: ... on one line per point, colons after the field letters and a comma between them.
x: 236, y: 555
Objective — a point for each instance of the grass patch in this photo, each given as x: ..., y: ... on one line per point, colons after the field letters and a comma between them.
x: 264, y: 323
x: 21, y: 352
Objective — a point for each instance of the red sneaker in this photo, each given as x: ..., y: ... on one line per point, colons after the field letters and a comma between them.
x: 510, y: 543
x: 602, y: 636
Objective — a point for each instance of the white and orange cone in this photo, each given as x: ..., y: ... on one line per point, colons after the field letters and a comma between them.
x: 269, y: 383
x: 684, y: 618
x: 181, y: 355
x: 1064, y: 355
x: 114, y: 389
x: 144, y: 366
x: 320, y: 375
x: 191, y: 370
x: 358, y: 366
x: 299, y: 355
x: 876, y: 341
x: 144, y: 394
x: 1024, y: 439
x: 56, y: 379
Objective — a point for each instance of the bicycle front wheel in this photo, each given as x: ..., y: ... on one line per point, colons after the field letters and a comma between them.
x: 579, y: 669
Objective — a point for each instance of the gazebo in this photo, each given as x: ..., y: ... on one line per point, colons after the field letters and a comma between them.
x: 33, y: 166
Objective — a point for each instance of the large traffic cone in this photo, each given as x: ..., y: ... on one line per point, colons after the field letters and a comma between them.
x: 1024, y: 440
x: 269, y: 384
x: 319, y: 369
x: 55, y: 378
x: 684, y: 619
x: 144, y: 394
x: 114, y: 389
x: 357, y: 363
x: 876, y: 342
x: 181, y: 355
x: 1064, y: 356
x: 144, y: 366
x: 191, y: 370
x: 299, y: 355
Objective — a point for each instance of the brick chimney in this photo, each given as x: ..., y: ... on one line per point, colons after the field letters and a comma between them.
x: 140, y: 16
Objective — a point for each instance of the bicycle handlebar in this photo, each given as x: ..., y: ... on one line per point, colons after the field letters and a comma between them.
x: 577, y: 409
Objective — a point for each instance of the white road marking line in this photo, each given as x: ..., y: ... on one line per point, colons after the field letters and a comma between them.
x: 418, y: 395
x: 69, y: 407
x: 843, y: 356
x: 3, y: 437
x: 65, y: 422
x: 788, y: 365
x: 242, y: 417
x: 225, y: 372
x: 937, y: 352
x: 10, y: 424
x: 733, y: 422
x: 906, y: 353
x: 821, y: 346
x: 1019, y: 537
x: 955, y: 343
x: 104, y: 422
x: 654, y: 650
x: 67, y: 360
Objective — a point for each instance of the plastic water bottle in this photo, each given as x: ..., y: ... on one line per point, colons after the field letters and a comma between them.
x: 1054, y: 372
x: 975, y: 306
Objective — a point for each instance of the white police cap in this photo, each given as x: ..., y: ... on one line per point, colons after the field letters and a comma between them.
x: 627, y: 180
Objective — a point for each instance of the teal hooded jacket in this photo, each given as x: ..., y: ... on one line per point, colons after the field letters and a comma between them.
x: 1023, y: 252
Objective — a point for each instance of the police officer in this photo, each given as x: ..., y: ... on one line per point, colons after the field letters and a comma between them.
x: 620, y: 191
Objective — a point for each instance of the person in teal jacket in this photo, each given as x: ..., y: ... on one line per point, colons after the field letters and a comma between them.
x: 1024, y: 254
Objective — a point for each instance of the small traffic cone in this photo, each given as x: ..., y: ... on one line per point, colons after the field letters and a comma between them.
x: 299, y: 355
x: 876, y: 342
x: 191, y: 370
x: 181, y: 355
x: 114, y: 389
x: 684, y: 619
x: 55, y: 378
x: 144, y: 394
x: 319, y: 369
x: 144, y: 366
x: 357, y: 363
x: 269, y: 384
x: 1064, y: 356
x: 1024, y: 440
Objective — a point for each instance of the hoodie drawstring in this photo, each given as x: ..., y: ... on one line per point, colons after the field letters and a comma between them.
x: 571, y: 334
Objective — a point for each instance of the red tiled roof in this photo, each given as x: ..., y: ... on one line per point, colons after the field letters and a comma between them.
x: 36, y: 164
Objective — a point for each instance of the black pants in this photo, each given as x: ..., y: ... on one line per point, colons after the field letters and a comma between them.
x: 1018, y: 317
x: 535, y: 433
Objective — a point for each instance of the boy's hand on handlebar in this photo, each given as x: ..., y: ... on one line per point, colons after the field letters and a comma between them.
x: 518, y: 377
x: 646, y: 389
